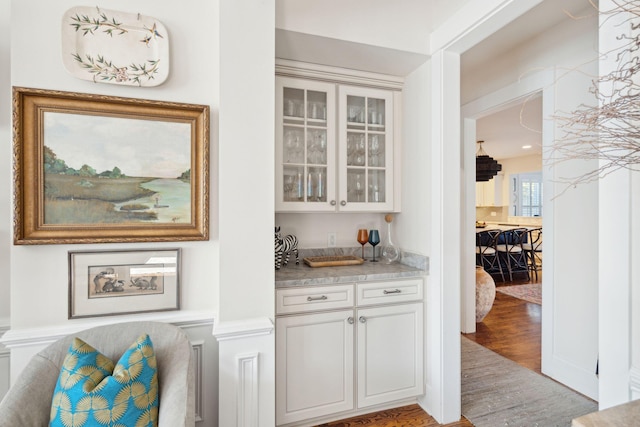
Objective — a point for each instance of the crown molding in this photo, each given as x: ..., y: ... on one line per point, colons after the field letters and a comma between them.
x: 285, y: 67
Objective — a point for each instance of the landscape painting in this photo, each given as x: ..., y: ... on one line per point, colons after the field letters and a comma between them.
x: 93, y: 168
x: 115, y: 170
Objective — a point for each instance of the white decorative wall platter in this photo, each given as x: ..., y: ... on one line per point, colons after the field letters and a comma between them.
x: 108, y: 46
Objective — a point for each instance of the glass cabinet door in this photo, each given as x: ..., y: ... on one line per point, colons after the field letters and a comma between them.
x: 305, y: 145
x: 366, y: 149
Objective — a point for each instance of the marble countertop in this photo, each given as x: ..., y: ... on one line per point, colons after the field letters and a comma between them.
x: 293, y: 275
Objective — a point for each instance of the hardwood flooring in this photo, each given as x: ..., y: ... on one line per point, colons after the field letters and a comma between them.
x: 512, y: 328
x: 407, y: 416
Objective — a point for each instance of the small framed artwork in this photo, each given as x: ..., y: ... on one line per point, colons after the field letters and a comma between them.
x: 94, y: 168
x: 104, y: 283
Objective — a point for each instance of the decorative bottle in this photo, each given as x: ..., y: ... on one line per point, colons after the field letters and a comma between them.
x: 390, y: 252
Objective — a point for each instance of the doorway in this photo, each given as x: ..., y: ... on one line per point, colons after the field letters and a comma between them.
x: 510, y: 97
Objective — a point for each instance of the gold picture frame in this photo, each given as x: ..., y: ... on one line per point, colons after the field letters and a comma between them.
x: 100, y: 169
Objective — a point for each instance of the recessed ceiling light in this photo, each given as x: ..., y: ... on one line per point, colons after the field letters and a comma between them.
x: 526, y: 147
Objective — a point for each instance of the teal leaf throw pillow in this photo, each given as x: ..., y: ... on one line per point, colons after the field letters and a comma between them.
x: 91, y: 392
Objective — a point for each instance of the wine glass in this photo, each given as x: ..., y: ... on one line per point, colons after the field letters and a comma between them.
x: 363, y: 238
x: 374, y: 239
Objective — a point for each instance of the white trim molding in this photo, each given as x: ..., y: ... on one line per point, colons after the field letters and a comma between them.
x: 248, y: 389
x: 245, y: 328
x: 26, y: 337
x: 634, y: 382
x: 285, y: 67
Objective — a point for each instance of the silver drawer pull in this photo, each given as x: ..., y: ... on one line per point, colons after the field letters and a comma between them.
x: 350, y: 320
x: 320, y: 298
x: 362, y: 319
x: 395, y: 291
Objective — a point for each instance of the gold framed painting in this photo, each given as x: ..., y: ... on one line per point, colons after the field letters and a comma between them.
x: 106, y: 283
x: 96, y: 169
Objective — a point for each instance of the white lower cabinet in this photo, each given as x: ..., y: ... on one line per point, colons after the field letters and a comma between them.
x: 353, y: 357
x: 314, y: 365
x: 390, y: 363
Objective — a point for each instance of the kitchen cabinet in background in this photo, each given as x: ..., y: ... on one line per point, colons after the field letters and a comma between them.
x: 489, y: 193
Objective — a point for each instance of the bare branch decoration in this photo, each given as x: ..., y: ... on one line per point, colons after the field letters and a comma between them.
x: 609, y: 131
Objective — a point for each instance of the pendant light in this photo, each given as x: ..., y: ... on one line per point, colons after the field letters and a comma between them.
x: 486, y: 167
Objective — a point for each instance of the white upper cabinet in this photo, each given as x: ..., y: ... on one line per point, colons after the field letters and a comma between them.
x: 336, y: 147
x: 365, y: 149
x: 305, y: 145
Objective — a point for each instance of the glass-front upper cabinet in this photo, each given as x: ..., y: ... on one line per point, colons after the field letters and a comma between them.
x: 365, y: 149
x: 305, y: 145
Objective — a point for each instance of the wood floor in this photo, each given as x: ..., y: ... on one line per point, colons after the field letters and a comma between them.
x: 512, y: 328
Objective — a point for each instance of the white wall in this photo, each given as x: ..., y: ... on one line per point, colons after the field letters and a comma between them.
x: 517, y: 165
x: 413, y: 224
x: 39, y: 278
x: 246, y: 205
x: 5, y: 164
x: 5, y: 195
x: 311, y: 228
x: 619, y: 323
x: 566, y: 46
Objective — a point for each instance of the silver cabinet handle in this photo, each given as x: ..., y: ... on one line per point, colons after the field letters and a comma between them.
x: 343, y: 203
x: 333, y: 203
x: 320, y: 298
x: 350, y: 320
x: 362, y: 319
x: 395, y: 291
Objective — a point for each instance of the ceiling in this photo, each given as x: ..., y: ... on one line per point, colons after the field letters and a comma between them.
x: 393, y: 38
x: 389, y: 37
x: 506, y: 132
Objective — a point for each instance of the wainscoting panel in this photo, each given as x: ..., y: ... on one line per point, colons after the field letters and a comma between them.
x: 198, y: 349
x: 5, y: 357
x: 246, y: 351
x: 248, y: 392
x: 205, y: 349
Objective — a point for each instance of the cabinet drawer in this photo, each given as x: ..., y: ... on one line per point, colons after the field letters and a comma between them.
x: 389, y: 292
x: 313, y: 299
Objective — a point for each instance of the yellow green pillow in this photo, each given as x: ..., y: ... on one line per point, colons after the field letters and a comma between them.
x: 91, y: 392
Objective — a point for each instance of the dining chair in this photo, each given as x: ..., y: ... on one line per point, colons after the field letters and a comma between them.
x: 533, y: 250
x: 486, y: 251
x: 511, y: 252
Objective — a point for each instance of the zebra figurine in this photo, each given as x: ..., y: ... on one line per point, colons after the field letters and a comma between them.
x: 284, y: 246
x: 278, y: 249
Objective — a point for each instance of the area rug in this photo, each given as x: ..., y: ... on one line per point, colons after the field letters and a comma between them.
x: 498, y: 392
x: 531, y: 292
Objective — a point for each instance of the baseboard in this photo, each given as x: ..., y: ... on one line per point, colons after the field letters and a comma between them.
x: 634, y: 382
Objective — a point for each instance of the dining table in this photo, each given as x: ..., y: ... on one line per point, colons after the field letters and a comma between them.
x: 505, y: 226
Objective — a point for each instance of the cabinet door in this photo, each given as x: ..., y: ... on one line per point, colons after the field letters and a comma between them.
x: 365, y: 149
x: 489, y: 193
x: 390, y: 353
x: 314, y: 365
x: 305, y: 145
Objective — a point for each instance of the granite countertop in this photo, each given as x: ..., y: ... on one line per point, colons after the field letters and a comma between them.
x: 292, y: 275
